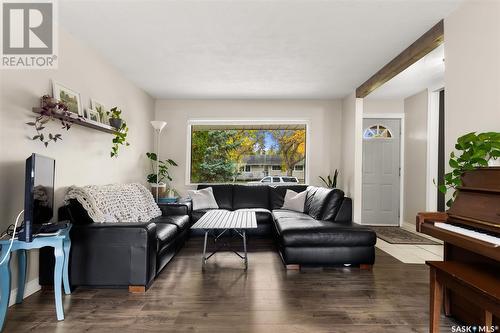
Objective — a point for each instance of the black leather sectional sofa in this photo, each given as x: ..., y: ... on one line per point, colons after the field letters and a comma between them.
x: 126, y: 254
x: 132, y: 254
x: 323, y: 235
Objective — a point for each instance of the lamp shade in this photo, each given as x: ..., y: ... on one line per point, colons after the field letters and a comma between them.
x: 158, y: 124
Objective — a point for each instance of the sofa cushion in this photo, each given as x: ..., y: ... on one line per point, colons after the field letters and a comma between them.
x: 250, y: 196
x: 165, y: 233
x: 280, y: 214
x: 223, y: 195
x: 203, y: 199
x: 180, y: 221
x: 307, y: 232
x: 294, y: 201
x: 332, y: 205
x: 316, y: 200
x: 277, y: 194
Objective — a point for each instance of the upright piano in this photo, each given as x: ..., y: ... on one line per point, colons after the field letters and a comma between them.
x: 470, y: 230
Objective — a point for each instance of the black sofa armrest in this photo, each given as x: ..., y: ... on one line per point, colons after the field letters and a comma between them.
x: 108, y: 254
x: 345, y: 212
x: 177, y: 208
x: 113, y: 254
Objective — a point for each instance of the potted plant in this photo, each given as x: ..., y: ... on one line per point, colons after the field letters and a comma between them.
x: 115, y: 119
x: 50, y: 109
x: 330, y: 182
x: 101, y: 112
x: 159, y: 183
x: 474, y: 151
x: 119, y: 139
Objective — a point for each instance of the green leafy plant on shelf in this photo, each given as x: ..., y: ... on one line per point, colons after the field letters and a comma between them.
x: 330, y: 182
x: 51, y: 109
x: 163, y: 171
x: 120, y: 139
x: 473, y: 151
x: 100, y: 111
x: 115, y: 117
x: 121, y: 130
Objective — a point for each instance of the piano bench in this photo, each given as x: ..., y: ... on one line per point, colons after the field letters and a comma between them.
x: 480, y: 286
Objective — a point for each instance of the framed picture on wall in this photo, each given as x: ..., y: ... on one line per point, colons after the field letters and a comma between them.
x: 93, y: 115
x: 69, y: 97
x: 101, y: 109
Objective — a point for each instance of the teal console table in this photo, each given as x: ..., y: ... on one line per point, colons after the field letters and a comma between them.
x: 61, y: 244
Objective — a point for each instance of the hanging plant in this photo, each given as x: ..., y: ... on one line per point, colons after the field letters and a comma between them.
x: 121, y: 132
x: 50, y: 107
x: 115, y: 118
x: 474, y: 151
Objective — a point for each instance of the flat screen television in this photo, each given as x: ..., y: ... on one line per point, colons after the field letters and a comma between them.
x: 38, y: 195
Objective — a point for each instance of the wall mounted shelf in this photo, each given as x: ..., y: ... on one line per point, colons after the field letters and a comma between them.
x: 82, y: 122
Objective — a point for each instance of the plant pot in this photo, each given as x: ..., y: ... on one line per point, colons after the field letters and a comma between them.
x: 162, y: 189
x: 116, y: 123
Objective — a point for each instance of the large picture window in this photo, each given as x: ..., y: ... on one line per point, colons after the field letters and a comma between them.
x: 272, y: 153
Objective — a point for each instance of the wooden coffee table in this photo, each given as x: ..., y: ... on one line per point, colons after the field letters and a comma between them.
x: 217, y: 222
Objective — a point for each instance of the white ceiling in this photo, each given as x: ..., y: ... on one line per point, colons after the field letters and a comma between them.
x: 250, y: 49
x: 425, y: 73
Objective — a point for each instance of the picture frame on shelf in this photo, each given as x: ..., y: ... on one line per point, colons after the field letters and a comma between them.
x: 101, y: 109
x: 69, y: 97
x: 93, y: 115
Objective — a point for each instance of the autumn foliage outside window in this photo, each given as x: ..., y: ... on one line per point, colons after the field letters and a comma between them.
x: 225, y: 154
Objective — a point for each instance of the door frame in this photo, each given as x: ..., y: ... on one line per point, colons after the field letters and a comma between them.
x: 401, y: 117
x: 432, y: 144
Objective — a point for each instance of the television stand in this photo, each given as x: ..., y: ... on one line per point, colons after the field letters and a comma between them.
x: 61, y: 243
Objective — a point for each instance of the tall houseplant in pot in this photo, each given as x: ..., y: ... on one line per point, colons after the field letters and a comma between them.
x: 160, y: 182
x: 329, y: 181
x: 474, y: 151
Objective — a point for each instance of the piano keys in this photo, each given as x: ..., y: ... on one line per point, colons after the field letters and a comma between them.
x: 470, y: 230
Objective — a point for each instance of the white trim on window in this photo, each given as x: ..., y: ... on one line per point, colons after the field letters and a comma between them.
x: 273, y: 121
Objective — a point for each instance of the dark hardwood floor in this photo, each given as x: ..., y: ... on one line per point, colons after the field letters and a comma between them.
x: 393, y: 297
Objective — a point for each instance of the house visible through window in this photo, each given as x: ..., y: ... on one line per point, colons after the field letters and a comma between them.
x: 247, y: 153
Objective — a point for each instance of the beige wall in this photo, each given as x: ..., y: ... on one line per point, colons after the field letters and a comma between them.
x: 415, y: 175
x: 323, y: 116
x: 371, y: 105
x: 83, y: 155
x: 472, y: 75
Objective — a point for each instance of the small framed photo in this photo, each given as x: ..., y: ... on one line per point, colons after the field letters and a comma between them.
x: 69, y: 97
x: 93, y: 115
x: 101, y: 109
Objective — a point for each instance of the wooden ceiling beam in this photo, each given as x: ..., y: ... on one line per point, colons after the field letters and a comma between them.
x: 421, y: 47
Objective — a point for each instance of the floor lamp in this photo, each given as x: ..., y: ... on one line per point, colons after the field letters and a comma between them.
x: 158, y: 126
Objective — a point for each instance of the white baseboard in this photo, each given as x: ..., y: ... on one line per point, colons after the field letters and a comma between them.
x: 31, y: 287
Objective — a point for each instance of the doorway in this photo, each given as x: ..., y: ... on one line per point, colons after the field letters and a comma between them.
x: 381, y: 175
x: 441, y: 154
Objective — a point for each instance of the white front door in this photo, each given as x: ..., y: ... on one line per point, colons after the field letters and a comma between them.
x: 381, y: 171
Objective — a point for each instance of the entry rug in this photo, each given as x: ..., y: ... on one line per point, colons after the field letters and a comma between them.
x: 396, y: 235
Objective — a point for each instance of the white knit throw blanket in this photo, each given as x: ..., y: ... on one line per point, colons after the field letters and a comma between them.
x: 116, y: 202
